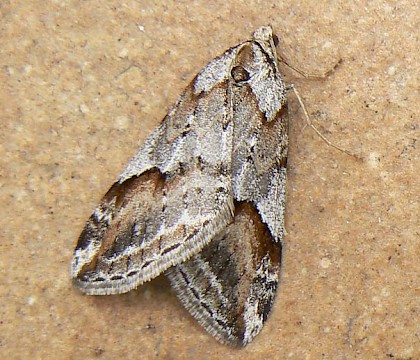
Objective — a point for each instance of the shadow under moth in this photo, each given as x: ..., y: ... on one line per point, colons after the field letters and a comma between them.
x: 203, y: 199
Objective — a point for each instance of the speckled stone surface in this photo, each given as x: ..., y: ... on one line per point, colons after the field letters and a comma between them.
x: 83, y: 84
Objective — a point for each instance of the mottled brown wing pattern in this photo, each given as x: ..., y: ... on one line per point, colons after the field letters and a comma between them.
x: 230, y: 286
x: 173, y: 197
x: 203, y: 199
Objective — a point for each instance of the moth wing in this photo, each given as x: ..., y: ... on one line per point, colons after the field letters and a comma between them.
x: 172, y: 198
x: 230, y: 286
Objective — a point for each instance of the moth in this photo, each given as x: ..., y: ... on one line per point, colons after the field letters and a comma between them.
x: 203, y: 199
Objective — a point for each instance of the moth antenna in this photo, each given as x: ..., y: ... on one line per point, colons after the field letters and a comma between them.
x: 309, y: 75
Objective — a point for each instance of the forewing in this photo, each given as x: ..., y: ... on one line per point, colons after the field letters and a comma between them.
x: 260, y: 144
x: 172, y: 198
x: 230, y: 286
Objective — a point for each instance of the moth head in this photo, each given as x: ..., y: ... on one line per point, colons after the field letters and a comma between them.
x: 267, y: 39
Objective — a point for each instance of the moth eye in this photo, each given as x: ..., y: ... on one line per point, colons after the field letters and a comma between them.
x: 239, y: 74
x: 275, y: 40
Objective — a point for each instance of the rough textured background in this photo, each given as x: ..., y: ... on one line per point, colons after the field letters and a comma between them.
x: 83, y: 84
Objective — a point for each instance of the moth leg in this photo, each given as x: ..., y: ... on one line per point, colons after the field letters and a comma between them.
x: 313, y: 127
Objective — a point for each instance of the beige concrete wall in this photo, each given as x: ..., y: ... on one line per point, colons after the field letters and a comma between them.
x: 84, y: 82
